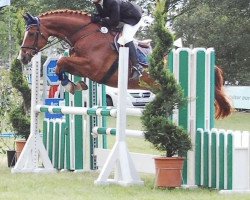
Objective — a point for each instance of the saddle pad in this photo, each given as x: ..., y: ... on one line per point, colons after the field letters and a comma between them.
x: 142, y: 52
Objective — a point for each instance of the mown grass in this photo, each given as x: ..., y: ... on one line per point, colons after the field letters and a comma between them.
x: 80, y: 186
x: 74, y: 186
x: 237, y: 121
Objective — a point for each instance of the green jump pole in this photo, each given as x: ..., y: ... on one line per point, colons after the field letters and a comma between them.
x: 78, y: 122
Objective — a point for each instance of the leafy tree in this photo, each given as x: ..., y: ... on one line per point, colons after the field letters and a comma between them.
x: 11, y: 33
x: 225, y: 26
x: 33, y: 6
x: 20, y: 113
x: 8, y: 99
x: 173, y: 8
x: 65, y: 4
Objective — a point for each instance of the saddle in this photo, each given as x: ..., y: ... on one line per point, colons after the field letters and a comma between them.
x: 143, y: 50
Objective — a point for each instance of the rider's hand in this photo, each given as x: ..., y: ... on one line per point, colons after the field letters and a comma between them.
x: 95, y: 18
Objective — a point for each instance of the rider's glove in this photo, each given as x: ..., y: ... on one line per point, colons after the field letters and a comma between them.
x: 95, y: 18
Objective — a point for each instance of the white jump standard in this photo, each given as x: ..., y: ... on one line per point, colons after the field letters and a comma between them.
x: 34, y: 148
x: 125, y: 172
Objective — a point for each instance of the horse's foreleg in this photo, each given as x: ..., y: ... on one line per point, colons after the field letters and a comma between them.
x: 69, y: 85
x: 63, y: 66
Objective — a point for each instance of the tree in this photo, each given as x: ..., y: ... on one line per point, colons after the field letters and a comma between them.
x: 11, y: 33
x: 8, y: 99
x: 20, y: 113
x: 225, y: 26
x: 173, y: 8
x: 65, y: 4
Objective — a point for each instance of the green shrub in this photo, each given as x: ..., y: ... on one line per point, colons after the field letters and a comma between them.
x: 156, y: 119
x: 20, y: 122
x: 19, y: 115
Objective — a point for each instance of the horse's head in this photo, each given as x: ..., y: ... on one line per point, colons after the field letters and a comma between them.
x: 34, y: 39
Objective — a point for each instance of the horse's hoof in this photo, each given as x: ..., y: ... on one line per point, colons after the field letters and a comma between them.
x: 81, y: 86
x: 70, y: 87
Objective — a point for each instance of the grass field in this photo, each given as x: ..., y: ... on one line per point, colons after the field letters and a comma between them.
x: 80, y: 186
x: 237, y: 121
x: 74, y: 186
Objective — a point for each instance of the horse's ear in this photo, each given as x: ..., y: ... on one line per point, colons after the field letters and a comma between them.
x: 30, y: 19
x: 29, y: 16
x: 25, y: 17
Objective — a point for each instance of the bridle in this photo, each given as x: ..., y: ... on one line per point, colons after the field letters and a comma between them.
x: 34, y: 46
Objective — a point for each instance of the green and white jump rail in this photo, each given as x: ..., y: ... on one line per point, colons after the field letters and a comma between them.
x: 112, y: 131
x: 97, y: 111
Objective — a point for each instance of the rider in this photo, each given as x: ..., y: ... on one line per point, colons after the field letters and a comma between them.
x: 111, y: 13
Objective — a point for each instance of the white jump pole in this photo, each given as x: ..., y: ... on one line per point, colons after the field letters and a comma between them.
x: 119, y: 157
x: 34, y: 149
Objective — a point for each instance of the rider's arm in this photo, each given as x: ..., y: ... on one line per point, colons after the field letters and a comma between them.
x: 99, y: 9
x: 114, y: 15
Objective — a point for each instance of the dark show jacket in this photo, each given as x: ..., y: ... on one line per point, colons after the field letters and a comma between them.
x: 115, y: 11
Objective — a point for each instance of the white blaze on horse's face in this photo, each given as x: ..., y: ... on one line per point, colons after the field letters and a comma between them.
x: 24, y: 37
x: 19, y: 55
x: 25, y: 53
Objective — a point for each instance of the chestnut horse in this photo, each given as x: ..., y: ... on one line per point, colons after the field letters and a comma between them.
x: 92, y: 52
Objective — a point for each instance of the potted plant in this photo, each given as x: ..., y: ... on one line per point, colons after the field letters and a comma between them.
x: 159, y: 129
x: 7, y: 148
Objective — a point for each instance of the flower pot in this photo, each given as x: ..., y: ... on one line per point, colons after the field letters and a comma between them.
x: 19, y: 147
x: 11, y: 158
x: 168, y: 171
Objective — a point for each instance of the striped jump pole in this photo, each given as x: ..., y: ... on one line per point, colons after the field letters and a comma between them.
x: 95, y: 111
x: 112, y: 131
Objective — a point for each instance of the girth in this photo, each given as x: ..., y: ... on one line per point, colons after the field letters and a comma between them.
x: 110, y: 72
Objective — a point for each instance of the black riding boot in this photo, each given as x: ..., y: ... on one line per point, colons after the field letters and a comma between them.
x: 138, y: 69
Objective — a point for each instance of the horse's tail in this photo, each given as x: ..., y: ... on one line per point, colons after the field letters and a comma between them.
x: 223, y: 104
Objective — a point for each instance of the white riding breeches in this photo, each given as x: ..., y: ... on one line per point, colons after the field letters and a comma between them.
x: 128, y: 31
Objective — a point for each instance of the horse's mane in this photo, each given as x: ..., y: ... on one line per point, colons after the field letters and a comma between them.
x: 65, y: 11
